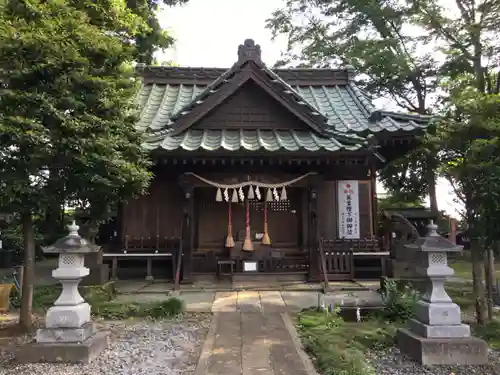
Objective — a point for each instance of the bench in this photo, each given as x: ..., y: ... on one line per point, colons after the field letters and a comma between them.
x: 115, y: 257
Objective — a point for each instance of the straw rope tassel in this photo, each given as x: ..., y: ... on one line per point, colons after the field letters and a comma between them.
x: 265, y: 238
x: 229, y: 238
x: 247, y: 244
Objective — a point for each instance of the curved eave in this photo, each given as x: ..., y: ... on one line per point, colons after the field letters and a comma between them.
x: 251, y: 140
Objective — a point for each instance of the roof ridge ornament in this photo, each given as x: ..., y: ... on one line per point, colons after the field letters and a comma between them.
x: 249, y: 51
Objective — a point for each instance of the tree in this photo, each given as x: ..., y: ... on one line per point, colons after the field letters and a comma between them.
x: 469, y: 137
x: 468, y: 34
x: 153, y: 37
x: 66, y: 111
x: 377, y: 39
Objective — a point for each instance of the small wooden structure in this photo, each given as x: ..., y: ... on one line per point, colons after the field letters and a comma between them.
x: 259, y: 171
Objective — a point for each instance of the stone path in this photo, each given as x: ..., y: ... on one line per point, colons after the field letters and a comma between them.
x: 255, y: 301
x: 251, y: 343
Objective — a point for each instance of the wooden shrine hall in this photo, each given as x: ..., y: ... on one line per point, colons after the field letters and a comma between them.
x: 258, y: 171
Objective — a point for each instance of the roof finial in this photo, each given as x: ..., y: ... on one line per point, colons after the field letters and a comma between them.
x: 249, y: 51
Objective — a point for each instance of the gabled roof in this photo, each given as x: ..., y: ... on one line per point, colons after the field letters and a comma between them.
x: 338, y: 113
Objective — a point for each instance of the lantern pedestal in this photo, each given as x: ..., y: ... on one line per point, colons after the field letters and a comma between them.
x: 437, y: 336
x: 69, y: 334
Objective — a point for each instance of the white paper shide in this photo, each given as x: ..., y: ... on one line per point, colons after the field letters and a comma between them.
x: 348, y: 195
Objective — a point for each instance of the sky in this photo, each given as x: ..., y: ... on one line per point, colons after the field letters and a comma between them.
x: 208, y: 33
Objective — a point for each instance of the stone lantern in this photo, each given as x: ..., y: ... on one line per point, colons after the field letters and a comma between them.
x: 437, y: 336
x: 69, y: 334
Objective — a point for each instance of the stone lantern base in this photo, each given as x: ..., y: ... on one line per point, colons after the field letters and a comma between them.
x: 66, y: 352
x: 442, y: 351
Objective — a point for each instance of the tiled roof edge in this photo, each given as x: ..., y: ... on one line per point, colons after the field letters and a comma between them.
x: 377, y: 115
x: 200, y: 75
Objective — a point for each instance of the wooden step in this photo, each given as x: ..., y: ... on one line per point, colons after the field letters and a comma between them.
x: 270, y: 277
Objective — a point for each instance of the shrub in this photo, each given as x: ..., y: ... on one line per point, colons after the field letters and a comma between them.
x: 399, y: 300
x: 170, y: 308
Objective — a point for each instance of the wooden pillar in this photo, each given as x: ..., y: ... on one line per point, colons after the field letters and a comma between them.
x: 187, y: 231
x: 314, y: 261
x: 304, y: 218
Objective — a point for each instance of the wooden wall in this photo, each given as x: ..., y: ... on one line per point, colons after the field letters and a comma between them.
x: 251, y: 106
x: 157, y: 213
x: 160, y: 213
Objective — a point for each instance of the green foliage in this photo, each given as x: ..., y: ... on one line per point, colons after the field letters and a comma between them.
x: 154, y: 37
x: 490, y: 332
x: 378, y: 40
x: 101, y: 298
x: 67, y: 114
x: 399, y: 300
x: 373, y: 37
x: 170, y: 308
x: 338, y: 347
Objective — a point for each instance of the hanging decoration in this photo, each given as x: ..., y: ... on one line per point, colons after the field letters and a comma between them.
x: 257, y: 193
x: 273, y: 192
x: 283, y: 197
x: 234, y: 199
x: 266, y: 240
x: 218, y: 196
x: 229, y: 238
x: 247, y: 244
x: 276, y: 195
x: 251, y: 194
x: 269, y: 196
x: 254, y: 186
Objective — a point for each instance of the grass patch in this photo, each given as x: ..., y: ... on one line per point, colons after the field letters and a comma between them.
x: 338, y: 347
x: 490, y: 333
x: 461, y: 294
x: 463, y: 269
x: 101, y: 298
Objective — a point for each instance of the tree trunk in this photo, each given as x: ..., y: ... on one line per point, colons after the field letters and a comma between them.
x: 489, y: 269
x: 431, y: 181
x: 433, y: 194
x: 477, y: 282
x: 29, y: 272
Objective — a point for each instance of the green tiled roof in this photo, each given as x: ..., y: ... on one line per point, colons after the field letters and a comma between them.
x: 339, y: 114
x: 347, y: 107
x: 251, y: 140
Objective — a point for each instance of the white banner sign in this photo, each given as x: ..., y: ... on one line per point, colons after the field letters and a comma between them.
x: 348, y: 193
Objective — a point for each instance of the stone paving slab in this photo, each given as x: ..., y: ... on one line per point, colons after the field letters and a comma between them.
x: 156, y: 287
x: 225, y: 301
x: 198, y: 301
x: 249, y: 343
x: 249, y: 301
x: 128, y: 286
x: 272, y: 301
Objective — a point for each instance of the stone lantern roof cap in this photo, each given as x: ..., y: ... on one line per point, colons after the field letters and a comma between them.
x: 434, y: 243
x: 72, y: 243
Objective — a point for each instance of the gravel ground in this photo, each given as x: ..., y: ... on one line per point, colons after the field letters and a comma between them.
x: 136, y: 347
x: 392, y: 362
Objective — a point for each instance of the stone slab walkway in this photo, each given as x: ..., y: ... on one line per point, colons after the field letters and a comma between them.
x: 251, y: 343
x: 257, y: 301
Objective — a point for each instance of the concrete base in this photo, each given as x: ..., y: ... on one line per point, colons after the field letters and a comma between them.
x: 442, y: 351
x: 65, y: 335
x: 439, y: 331
x: 83, y: 352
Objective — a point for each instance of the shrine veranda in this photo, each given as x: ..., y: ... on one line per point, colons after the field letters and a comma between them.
x: 257, y: 170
